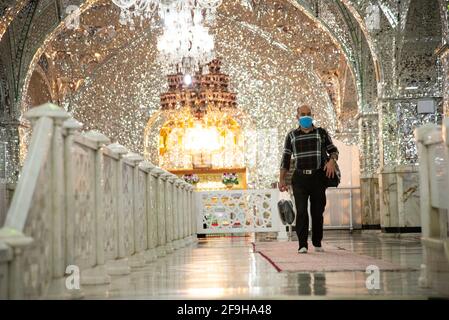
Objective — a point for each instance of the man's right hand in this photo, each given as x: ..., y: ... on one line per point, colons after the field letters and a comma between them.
x: 282, y: 186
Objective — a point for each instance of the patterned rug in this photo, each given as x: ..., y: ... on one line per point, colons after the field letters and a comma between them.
x: 284, y: 256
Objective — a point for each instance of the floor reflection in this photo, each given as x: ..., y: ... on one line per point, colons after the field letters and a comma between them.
x: 227, y: 268
x: 311, y: 283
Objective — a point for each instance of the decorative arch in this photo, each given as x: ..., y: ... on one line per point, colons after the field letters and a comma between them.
x: 86, y: 5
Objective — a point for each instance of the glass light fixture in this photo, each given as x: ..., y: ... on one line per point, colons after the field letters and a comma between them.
x: 185, y: 44
x: 201, y: 139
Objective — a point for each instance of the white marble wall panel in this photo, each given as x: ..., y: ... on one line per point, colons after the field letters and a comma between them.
x: 237, y: 211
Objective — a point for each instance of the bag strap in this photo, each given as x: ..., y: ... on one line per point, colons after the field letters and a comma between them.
x: 324, y: 156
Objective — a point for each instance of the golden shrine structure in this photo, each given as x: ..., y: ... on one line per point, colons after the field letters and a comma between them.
x: 202, y: 137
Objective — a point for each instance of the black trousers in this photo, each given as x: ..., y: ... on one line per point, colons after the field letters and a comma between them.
x: 305, y: 187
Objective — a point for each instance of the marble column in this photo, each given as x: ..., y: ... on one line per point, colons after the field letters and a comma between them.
x: 399, y: 159
x: 10, y: 150
x: 444, y: 57
x: 399, y: 202
x: 443, y: 54
x: 369, y: 163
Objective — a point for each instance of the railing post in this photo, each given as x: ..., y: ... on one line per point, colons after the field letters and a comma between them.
x: 58, y: 197
x: 151, y: 214
x: 188, y: 211
x: 191, y: 213
x: 176, y: 214
x: 181, y: 213
x: 120, y: 266
x: 6, y: 256
x: 71, y: 127
x: 188, y: 215
x: 98, y: 275
x: 192, y: 216
x: 168, y: 211
x: 160, y: 200
x: 17, y: 242
x: 137, y: 260
x: 56, y: 158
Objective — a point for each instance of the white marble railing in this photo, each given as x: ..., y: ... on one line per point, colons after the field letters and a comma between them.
x: 94, y: 207
x: 236, y: 211
x: 433, y: 150
x: 246, y: 211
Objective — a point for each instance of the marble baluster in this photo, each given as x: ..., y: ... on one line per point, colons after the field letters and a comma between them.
x: 150, y: 212
x: 161, y: 240
x: 119, y: 266
x: 194, y: 215
x: 188, y: 214
x: 137, y: 260
x: 98, y: 275
x: 168, y: 211
x: 185, y: 205
x: 176, y: 221
x: 181, y: 213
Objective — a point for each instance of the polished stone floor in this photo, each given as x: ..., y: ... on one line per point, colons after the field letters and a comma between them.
x: 227, y: 268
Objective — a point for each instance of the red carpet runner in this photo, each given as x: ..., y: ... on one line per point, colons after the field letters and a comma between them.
x: 284, y: 256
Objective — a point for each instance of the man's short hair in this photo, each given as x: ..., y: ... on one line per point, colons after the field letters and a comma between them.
x: 304, y: 105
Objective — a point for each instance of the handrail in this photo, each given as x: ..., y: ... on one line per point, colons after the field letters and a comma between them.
x: 39, y: 148
x: 85, y: 204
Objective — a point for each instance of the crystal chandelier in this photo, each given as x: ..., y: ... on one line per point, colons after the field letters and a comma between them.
x: 185, y: 44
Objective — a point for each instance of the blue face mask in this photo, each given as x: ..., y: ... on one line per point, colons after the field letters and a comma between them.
x: 305, y: 122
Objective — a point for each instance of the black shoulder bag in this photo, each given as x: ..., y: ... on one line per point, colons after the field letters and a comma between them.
x: 330, y: 182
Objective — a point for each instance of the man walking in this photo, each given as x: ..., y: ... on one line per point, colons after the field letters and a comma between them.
x: 316, y: 157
